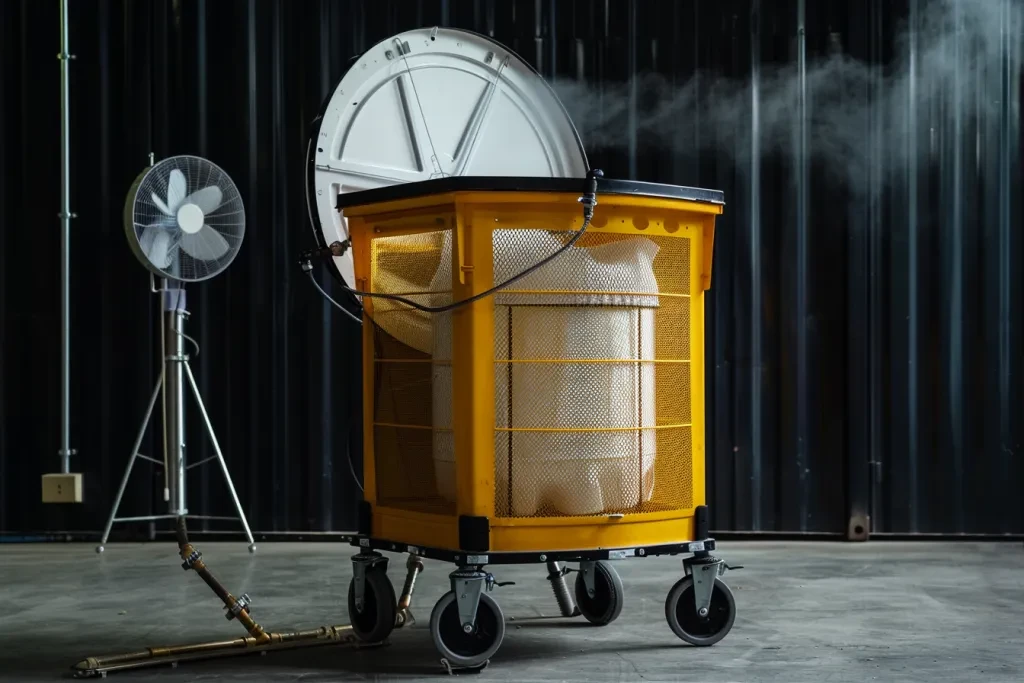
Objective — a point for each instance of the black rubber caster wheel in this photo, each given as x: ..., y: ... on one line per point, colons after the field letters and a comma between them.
x: 682, y: 617
x: 376, y: 620
x: 463, y: 649
x: 605, y: 605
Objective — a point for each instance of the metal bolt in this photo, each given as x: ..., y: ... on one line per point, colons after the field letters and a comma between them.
x: 467, y: 628
x: 703, y: 611
x: 543, y: 558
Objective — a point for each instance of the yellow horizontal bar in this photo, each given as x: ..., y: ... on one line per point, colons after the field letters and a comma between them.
x: 427, y: 428
x: 584, y: 535
x: 572, y: 430
x: 584, y: 361
x: 639, y: 518
x: 548, y: 361
x: 588, y: 292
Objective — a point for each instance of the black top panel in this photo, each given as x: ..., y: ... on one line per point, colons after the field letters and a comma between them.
x: 506, y: 184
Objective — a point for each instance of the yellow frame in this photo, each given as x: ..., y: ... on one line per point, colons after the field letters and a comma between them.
x: 473, y: 379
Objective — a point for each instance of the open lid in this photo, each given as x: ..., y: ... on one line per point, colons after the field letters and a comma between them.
x: 433, y: 103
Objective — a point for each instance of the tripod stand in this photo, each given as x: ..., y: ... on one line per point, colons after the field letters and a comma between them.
x: 171, y: 383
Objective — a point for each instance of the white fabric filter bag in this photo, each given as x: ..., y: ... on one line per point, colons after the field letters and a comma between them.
x: 608, y: 316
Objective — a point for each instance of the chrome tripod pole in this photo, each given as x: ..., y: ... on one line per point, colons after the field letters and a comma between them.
x: 171, y: 385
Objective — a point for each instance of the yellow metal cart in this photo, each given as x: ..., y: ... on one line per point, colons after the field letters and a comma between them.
x: 533, y: 373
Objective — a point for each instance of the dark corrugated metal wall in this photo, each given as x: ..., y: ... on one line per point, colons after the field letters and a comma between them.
x: 864, y: 324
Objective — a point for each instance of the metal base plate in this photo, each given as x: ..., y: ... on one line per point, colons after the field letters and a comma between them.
x: 462, y: 559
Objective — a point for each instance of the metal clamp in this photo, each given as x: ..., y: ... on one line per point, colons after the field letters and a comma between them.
x: 241, y: 603
x: 191, y: 560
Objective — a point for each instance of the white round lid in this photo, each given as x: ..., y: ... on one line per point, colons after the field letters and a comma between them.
x: 431, y: 103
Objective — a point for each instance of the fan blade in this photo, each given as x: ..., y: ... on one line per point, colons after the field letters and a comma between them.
x: 160, y: 205
x: 175, y: 190
x: 150, y: 232
x: 207, y: 199
x: 205, y: 245
x: 146, y: 239
x: 160, y: 250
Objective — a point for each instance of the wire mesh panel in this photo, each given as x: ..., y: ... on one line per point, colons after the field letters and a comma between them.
x: 410, y: 429
x: 592, y: 376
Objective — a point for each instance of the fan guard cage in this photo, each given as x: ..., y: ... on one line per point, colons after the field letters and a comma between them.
x: 226, y: 219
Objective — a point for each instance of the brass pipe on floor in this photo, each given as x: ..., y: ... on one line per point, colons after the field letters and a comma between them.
x: 258, y: 640
x: 154, y: 656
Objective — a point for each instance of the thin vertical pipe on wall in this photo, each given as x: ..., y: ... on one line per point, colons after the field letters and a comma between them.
x: 1005, y: 319
x: 754, y: 262
x: 65, y: 243
x: 278, y: 309
x: 876, y: 243
x: 801, y: 312
x: 955, y: 244
x: 858, y: 357
x: 325, y: 370
x: 913, y: 312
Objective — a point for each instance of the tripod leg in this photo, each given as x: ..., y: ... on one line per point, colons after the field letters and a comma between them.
x: 220, y: 456
x: 131, y: 462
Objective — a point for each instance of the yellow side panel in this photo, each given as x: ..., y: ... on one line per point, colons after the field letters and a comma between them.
x: 414, y: 528
x: 587, y: 534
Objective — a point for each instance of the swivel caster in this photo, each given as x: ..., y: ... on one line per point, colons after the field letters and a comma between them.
x: 467, y: 645
x: 372, y: 607
x: 686, y: 619
x: 599, y: 593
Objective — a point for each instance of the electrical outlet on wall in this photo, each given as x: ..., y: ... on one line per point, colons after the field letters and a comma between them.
x: 62, y: 488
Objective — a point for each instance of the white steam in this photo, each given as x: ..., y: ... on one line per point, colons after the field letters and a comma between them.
x: 953, y: 71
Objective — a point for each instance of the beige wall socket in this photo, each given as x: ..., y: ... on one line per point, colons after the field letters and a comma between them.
x: 62, y: 488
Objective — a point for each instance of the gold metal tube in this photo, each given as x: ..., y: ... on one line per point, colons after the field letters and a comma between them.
x: 258, y: 641
x: 154, y: 656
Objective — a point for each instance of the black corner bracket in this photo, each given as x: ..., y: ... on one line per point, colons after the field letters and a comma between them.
x: 365, y: 519
x: 701, y: 523
x: 474, y: 534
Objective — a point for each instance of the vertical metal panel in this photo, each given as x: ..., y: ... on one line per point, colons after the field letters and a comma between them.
x: 864, y: 326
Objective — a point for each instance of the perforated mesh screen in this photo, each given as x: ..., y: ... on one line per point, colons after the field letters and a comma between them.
x: 592, y: 375
x: 413, y: 446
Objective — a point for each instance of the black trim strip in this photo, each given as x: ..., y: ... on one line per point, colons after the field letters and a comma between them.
x: 528, y: 184
x: 474, y: 558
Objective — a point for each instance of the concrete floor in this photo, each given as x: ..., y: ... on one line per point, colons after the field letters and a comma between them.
x: 806, y: 612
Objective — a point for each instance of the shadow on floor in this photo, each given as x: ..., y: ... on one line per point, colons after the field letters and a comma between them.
x: 408, y: 654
